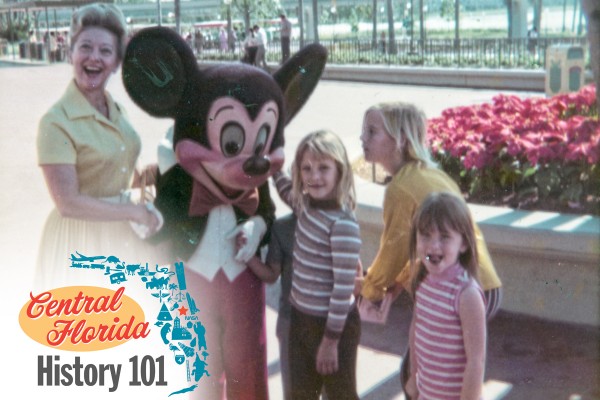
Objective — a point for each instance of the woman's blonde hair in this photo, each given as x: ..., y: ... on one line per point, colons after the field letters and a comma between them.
x: 100, y: 15
x: 407, y: 125
x: 444, y: 211
x: 325, y: 144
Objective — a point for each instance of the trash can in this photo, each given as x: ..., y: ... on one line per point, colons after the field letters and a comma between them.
x: 565, y: 69
x: 32, y: 51
x: 23, y: 50
x: 41, y: 51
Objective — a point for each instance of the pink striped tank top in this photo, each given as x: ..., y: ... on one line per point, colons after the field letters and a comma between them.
x: 439, y: 345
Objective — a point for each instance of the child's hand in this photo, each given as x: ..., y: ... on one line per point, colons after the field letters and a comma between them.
x: 358, y: 284
x: 253, y: 231
x: 327, y: 356
x: 241, y: 239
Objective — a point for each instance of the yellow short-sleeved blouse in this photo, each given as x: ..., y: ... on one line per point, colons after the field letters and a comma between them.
x: 104, y: 151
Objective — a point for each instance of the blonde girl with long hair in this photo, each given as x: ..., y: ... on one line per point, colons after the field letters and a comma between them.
x: 325, y: 325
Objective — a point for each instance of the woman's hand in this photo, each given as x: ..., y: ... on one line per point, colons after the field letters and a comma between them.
x: 141, y: 215
x: 148, y: 173
x: 327, y: 356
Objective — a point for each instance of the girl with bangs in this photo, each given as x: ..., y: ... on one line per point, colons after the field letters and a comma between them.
x: 325, y: 325
x: 448, y: 329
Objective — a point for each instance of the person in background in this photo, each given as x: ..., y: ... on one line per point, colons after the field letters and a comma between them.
x: 532, y: 36
x: 325, y: 324
x: 448, y: 328
x: 285, y: 33
x: 250, y: 48
x: 261, y: 40
x: 198, y: 41
x: 223, y: 46
x: 53, y: 46
x: 88, y: 151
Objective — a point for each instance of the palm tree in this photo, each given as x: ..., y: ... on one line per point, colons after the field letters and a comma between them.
x: 537, y: 13
x: 421, y: 23
x: 177, y: 6
x: 301, y: 21
x: 391, y: 30
x: 315, y: 15
x: 457, y: 20
x: 374, y: 30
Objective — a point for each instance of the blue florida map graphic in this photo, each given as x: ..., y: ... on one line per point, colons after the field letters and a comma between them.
x: 178, y: 320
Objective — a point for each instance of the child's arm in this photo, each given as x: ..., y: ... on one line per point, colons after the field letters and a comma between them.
x: 358, y: 280
x: 265, y: 272
x: 472, y: 316
x: 283, y: 184
x: 345, y: 249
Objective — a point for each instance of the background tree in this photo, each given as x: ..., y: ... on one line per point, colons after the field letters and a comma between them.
x: 315, y: 16
x: 537, y: 13
x: 592, y: 11
x: 256, y: 9
x: 374, y: 28
x: 177, y: 9
x: 391, y: 29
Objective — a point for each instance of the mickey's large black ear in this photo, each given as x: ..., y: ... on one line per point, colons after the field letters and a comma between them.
x: 156, y: 67
x: 299, y: 76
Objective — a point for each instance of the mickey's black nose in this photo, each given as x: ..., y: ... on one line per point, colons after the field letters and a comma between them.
x: 256, y: 165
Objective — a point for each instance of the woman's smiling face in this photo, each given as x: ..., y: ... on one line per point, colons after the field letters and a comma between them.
x: 94, y: 56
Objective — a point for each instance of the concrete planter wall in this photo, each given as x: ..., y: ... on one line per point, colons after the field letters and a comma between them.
x: 549, y: 263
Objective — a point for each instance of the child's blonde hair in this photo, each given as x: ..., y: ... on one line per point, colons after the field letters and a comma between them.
x: 100, y: 15
x: 407, y: 124
x: 325, y: 144
x: 444, y: 211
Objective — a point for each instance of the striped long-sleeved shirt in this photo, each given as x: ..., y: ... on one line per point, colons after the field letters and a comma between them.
x: 326, y: 251
x: 439, y: 344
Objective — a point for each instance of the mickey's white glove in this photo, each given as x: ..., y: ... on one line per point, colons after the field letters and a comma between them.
x: 252, y: 231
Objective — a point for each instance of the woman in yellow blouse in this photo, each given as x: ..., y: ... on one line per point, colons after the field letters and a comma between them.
x: 394, y: 136
x: 87, y: 151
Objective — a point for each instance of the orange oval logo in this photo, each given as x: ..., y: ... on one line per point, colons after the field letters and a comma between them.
x: 83, y: 318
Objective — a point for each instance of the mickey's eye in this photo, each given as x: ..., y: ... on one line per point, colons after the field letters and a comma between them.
x: 261, y: 139
x: 232, y: 139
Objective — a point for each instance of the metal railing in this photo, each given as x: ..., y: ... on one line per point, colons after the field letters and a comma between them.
x: 463, y: 53
x: 476, y: 53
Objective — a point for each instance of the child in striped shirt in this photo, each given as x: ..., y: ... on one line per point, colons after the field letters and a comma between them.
x: 325, y: 325
x: 448, y: 330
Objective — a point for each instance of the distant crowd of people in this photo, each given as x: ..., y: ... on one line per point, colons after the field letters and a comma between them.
x: 54, y: 42
x: 253, y: 43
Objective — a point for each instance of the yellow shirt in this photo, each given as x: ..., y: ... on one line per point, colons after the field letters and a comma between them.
x: 104, y: 151
x: 407, y: 190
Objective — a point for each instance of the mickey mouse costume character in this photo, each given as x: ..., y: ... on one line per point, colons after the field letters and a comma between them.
x: 227, y: 141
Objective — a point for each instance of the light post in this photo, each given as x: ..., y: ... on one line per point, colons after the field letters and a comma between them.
x: 230, y: 42
x: 158, y: 13
x: 334, y: 15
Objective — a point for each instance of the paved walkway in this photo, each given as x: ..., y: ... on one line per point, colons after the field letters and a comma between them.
x: 527, y: 358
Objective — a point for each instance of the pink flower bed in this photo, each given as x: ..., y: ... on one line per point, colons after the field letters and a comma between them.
x: 524, y: 152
